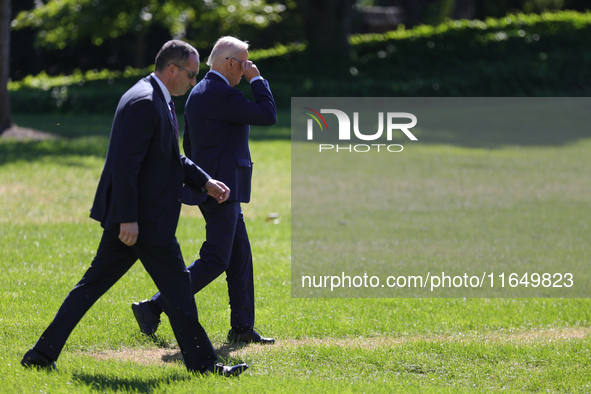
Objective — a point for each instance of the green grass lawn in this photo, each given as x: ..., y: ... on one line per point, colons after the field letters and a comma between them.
x: 323, y: 345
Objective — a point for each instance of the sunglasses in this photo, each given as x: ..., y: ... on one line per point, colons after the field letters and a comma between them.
x: 191, y: 74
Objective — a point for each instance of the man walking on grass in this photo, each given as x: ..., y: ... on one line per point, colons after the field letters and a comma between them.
x: 217, y: 127
x: 138, y: 202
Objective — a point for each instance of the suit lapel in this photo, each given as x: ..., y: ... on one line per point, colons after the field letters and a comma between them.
x: 167, y: 111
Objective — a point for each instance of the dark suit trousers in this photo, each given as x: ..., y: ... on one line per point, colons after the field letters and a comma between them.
x: 166, y: 267
x: 226, y: 249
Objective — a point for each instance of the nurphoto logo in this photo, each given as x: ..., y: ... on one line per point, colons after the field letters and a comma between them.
x: 344, y: 132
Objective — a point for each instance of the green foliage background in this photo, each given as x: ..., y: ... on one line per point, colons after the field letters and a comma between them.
x: 517, y: 55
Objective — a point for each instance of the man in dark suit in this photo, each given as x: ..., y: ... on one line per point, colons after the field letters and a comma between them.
x: 217, y: 119
x: 138, y: 202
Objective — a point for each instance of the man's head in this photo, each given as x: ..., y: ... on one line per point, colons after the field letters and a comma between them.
x: 227, y: 57
x: 177, y: 66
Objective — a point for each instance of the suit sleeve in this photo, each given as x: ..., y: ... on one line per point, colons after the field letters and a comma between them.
x: 137, y: 126
x: 195, y: 177
x: 261, y: 112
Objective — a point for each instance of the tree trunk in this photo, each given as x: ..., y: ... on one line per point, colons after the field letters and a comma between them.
x: 327, y: 26
x: 5, y: 120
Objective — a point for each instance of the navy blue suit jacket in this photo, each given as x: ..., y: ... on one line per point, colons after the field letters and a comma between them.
x: 144, y: 172
x: 217, y: 126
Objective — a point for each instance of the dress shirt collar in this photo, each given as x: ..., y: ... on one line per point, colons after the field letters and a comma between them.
x: 167, y: 96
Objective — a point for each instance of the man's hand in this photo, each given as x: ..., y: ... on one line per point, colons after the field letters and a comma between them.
x: 128, y: 233
x: 217, y: 190
x: 250, y: 70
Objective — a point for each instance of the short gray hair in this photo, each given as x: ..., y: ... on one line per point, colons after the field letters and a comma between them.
x: 225, y: 47
x: 174, y: 51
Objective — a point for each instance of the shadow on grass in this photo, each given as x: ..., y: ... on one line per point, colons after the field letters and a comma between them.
x: 481, y: 122
x: 222, y: 351
x: 76, y: 126
x: 15, y: 150
x: 89, y: 136
x: 67, y: 126
x: 157, y: 340
x: 103, y: 383
x: 466, y: 122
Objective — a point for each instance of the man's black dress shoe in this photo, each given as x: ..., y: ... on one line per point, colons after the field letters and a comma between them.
x: 226, y: 370
x: 35, y: 359
x: 147, y: 320
x: 250, y: 336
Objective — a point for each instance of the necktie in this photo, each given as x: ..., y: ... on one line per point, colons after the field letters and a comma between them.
x: 175, y: 123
